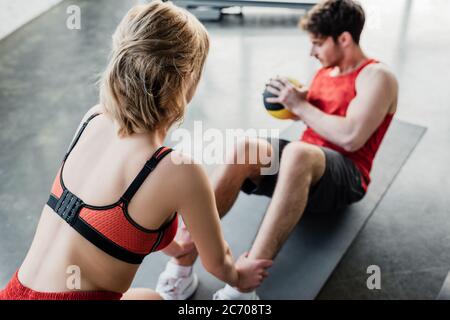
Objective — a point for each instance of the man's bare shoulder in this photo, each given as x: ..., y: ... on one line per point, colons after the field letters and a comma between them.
x: 378, y: 72
x: 377, y: 80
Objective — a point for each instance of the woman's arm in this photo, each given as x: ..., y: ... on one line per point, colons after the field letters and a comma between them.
x: 198, y: 208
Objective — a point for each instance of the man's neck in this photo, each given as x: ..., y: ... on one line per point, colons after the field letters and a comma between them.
x: 351, y: 62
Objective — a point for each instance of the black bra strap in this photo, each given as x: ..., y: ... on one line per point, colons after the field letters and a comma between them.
x: 149, y: 166
x: 79, y: 134
x: 69, y: 210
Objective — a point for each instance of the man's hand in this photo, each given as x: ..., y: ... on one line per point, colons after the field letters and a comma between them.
x: 287, y: 94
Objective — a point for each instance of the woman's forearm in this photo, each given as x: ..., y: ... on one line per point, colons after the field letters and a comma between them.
x: 226, y: 271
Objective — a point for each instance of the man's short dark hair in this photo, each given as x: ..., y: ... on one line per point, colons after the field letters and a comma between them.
x: 333, y: 17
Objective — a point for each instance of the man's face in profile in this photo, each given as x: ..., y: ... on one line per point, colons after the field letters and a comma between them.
x: 325, y: 49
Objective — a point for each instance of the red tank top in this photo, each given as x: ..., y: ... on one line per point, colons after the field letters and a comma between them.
x: 333, y: 95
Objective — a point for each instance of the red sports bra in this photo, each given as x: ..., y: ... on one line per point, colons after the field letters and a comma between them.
x: 111, y: 228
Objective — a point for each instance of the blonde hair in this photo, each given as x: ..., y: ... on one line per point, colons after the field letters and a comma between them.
x: 157, y: 57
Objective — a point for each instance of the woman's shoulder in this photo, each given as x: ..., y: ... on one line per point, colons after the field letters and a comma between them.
x: 93, y: 110
x: 185, y: 171
x: 184, y: 166
x: 180, y: 177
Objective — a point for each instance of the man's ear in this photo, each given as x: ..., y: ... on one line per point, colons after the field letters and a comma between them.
x: 345, y: 39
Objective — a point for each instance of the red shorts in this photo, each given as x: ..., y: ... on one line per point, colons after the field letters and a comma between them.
x: 17, y: 291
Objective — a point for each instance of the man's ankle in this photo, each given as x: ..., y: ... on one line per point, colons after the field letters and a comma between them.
x: 186, y: 260
x: 235, y: 293
x: 177, y: 270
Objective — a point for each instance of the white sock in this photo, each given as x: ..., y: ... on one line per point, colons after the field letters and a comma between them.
x: 178, y: 271
x: 234, y: 293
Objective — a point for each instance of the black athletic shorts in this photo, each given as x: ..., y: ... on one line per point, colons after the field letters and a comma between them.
x: 339, y: 186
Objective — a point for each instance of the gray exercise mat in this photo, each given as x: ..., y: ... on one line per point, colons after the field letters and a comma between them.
x: 317, y: 244
x: 444, y: 294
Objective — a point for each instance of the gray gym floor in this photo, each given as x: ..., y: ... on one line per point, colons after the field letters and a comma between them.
x: 47, y: 82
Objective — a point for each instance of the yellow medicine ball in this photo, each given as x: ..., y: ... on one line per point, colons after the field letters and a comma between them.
x: 277, y: 110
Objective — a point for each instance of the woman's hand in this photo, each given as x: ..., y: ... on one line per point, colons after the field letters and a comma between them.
x: 251, y: 272
x: 181, y: 245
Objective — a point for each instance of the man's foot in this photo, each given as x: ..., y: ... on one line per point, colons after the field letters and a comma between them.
x: 230, y: 293
x: 177, y: 282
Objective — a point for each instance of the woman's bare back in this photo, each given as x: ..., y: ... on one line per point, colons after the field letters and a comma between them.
x: 98, y: 171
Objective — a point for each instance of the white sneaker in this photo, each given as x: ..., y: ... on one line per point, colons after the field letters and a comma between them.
x: 229, y: 293
x: 172, y: 287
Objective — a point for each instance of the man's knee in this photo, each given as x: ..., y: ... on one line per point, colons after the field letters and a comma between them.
x: 300, y: 158
x: 249, y: 155
x: 252, y: 151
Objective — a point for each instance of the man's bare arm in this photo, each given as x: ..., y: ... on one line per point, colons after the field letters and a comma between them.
x: 376, y: 94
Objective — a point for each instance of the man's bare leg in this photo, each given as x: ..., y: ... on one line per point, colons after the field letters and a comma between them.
x: 227, y: 182
x: 302, y: 165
